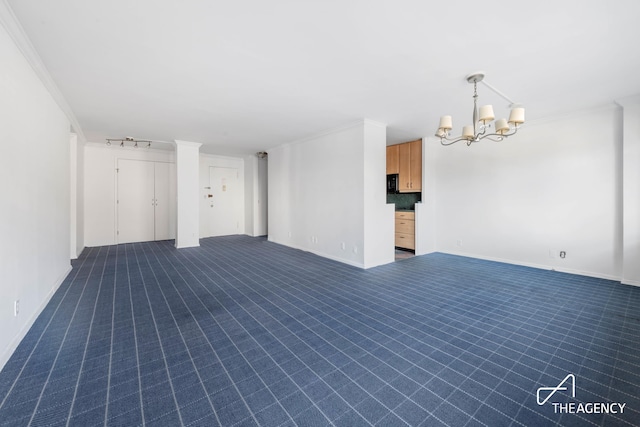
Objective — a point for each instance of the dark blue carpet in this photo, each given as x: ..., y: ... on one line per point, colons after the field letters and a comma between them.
x: 245, y: 332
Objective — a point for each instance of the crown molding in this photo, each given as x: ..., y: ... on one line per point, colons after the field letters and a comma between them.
x: 565, y: 115
x: 13, y: 27
x: 628, y: 100
x: 337, y: 129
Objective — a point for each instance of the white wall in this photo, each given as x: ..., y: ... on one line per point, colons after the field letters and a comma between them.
x: 426, y: 209
x: 100, y: 162
x: 207, y: 161
x: 35, y: 186
x: 631, y: 190
x: 317, y: 195
x: 556, y: 186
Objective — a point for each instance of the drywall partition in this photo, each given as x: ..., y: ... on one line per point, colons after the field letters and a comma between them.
x: 317, y: 195
x: 100, y: 182
x: 379, y: 217
x: 35, y: 203
x: 631, y: 190
x: 555, y: 186
x: 425, y: 210
x: 255, y: 179
x: 76, y: 182
x: 73, y: 196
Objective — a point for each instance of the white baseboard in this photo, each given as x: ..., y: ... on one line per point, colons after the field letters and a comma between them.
x: 538, y: 266
x: 630, y: 282
x: 323, y: 255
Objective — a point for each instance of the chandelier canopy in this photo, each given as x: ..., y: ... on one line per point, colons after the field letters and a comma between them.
x: 483, y: 119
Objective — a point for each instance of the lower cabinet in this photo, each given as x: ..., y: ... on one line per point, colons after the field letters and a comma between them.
x: 406, y: 230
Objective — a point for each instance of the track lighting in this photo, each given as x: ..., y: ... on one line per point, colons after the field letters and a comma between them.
x: 129, y: 139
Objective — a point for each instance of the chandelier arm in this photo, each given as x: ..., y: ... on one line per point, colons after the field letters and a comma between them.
x: 500, y: 136
x: 451, y: 141
x: 446, y: 136
x: 489, y: 137
x: 483, y: 130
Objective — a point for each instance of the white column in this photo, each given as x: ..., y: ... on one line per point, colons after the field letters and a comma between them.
x: 187, y: 181
x: 631, y: 190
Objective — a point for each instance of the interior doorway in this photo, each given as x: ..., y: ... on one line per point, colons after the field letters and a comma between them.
x: 224, y: 204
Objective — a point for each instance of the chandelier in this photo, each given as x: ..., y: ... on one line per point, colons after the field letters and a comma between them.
x: 482, y: 119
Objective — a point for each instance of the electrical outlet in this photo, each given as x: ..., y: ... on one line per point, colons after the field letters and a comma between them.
x: 16, y: 308
x: 563, y: 254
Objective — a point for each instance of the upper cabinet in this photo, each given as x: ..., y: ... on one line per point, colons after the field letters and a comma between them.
x: 409, y: 166
x: 393, y: 159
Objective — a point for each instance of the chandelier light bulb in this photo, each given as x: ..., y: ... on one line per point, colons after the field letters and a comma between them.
x: 467, y: 132
x: 446, y: 123
x: 502, y: 126
x: 517, y: 115
x: 486, y: 113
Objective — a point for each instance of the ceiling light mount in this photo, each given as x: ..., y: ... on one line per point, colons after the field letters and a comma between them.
x: 476, y: 77
x: 483, y: 119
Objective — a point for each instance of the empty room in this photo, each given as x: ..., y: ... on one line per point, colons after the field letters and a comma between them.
x: 319, y: 213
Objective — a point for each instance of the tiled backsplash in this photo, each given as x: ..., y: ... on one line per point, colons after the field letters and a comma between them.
x: 404, y: 200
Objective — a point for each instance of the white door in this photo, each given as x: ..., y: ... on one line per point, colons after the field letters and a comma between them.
x: 146, y: 201
x: 224, y: 203
x: 136, y: 201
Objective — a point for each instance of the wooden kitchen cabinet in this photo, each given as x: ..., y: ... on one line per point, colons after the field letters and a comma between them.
x: 410, y: 167
x: 405, y: 231
x: 393, y: 154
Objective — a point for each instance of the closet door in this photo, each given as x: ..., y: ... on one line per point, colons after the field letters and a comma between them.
x: 136, y: 201
x: 164, y: 205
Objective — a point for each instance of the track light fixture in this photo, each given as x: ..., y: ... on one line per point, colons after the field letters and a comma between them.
x: 130, y: 140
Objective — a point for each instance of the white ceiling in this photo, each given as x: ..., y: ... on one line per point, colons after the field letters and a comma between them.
x: 246, y: 75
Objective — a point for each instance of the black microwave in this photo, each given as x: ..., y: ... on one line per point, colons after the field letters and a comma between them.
x: 392, y: 183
